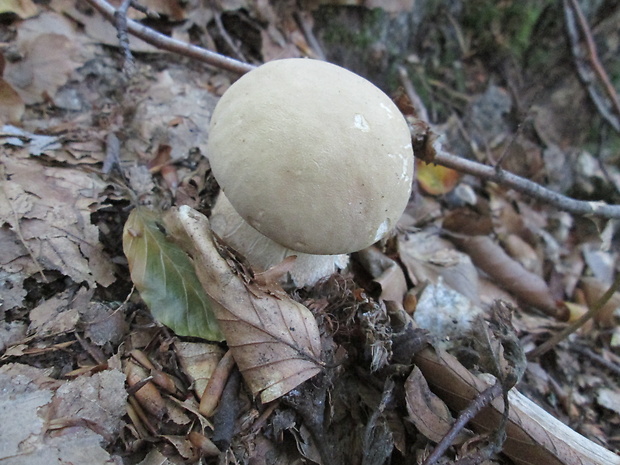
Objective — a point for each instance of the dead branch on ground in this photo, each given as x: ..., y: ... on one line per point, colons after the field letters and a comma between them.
x: 172, y: 45
x: 589, y: 66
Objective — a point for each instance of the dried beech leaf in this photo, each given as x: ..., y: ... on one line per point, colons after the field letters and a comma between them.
x: 12, y: 106
x: 274, y: 340
x: 198, y: 361
x: 427, y: 412
x: 508, y: 273
x: 386, y: 272
x: 435, y: 179
x: 165, y: 278
x: 47, y: 65
x: 593, y: 290
x: 428, y: 257
x: 22, y: 8
x: 533, y: 436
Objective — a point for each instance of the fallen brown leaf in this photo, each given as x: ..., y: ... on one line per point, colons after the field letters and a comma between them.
x: 593, y: 290
x: 210, y: 397
x: 12, y: 106
x: 386, y: 272
x: 274, y: 340
x: 147, y: 395
x: 198, y: 361
x: 525, y: 285
x: 427, y: 412
x: 47, y: 213
x: 534, y: 437
x: 428, y: 258
x: 49, y: 47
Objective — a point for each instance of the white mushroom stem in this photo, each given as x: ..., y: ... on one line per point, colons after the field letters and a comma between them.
x: 262, y: 253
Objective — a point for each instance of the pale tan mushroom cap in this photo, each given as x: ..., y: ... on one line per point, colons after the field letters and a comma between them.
x: 311, y: 155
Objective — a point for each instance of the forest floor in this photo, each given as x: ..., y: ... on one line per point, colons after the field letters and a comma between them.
x: 476, y: 275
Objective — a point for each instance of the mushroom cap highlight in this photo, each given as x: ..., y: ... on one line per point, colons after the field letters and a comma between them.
x: 311, y: 155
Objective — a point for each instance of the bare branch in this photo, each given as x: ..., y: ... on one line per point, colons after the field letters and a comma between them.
x: 591, y: 68
x: 172, y: 45
x: 481, y: 401
x: 120, y: 21
x: 525, y: 186
x: 575, y: 325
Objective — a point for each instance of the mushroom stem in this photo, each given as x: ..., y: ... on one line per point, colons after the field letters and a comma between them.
x: 262, y: 253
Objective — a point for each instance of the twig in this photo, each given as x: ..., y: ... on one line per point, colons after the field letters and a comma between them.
x: 309, y: 35
x: 120, y: 21
x: 481, y: 401
x: 217, y: 16
x: 172, y: 45
x: 413, y: 96
x: 597, y: 358
x: 525, y: 186
x: 572, y: 10
x: 427, y: 147
x: 597, y: 307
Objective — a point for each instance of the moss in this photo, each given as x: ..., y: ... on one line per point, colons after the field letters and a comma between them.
x: 504, y: 27
x: 361, y: 38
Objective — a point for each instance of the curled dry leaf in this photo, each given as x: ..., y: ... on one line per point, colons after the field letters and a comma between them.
x: 523, y: 253
x: 210, y: 397
x: 508, y: 273
x: 593, y: 290
x: 386, y: 272
x: 274, y: 340
x: 427, y: 412
x: 48, y: 45
x: 533, y: 436
x: 198, y: 361
x: 12, y: 106
x: 435, y: 179
x: 147, y: 395
x: 428, y: 257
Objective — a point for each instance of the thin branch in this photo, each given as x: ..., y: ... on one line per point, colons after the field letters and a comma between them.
x: 572, y: 10
x: 428, y: 148
x: 172, y: 45
x: 217, y: 16
x: 120, y: 21
x: 481, y: 401
x: 525, y: 186
x: 611, y: 366
x: 574, y: 326
x: 414, y: 98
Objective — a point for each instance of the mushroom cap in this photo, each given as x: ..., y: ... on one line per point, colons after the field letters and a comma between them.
x: 313, y: 156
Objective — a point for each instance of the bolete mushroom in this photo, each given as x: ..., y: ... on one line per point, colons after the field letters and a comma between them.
x: 313, y: 157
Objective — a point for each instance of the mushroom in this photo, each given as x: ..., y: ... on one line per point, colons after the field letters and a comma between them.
x: 313, y: 157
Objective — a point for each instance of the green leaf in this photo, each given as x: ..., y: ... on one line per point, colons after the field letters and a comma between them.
x: 165, y: 277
